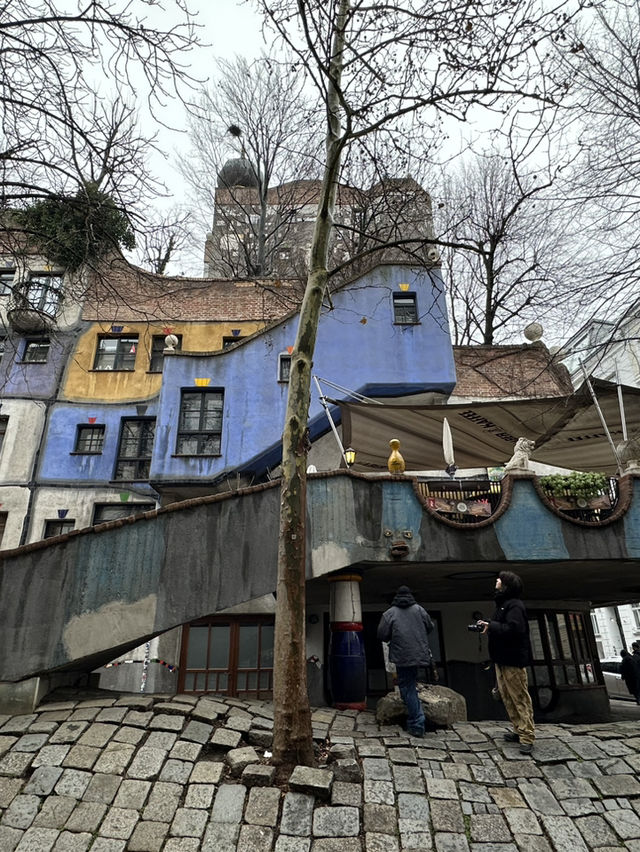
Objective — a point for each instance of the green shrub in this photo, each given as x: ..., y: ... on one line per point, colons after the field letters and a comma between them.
x: 73, y: 230
x: 578, y: 484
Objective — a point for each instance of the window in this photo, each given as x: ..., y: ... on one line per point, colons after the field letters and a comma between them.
x: 636, y: 615
x: 405, y: 308
x: 103, y: 512
x: 36, y: 351
x: 134, y: 451
x: 230, y: 656
x: 52, y: 528
x: 116, y: 353
x: 284, y: 367
x: 3, y: 343
x: 89, y: 439
x: 200, y: 425
x: 595, y: 623
x: 3, y: 524
x: 44, y: 292
x: 229, y: 341
x: 3, y: 429
x: 157, y: 351
x: 7, y: 274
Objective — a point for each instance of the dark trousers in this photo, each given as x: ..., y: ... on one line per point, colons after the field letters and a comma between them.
x: 407, y: 680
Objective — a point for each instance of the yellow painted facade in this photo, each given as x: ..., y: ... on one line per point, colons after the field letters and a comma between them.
x: 83, y: 382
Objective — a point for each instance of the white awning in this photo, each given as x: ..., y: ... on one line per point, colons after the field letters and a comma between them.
x: 567, y: 431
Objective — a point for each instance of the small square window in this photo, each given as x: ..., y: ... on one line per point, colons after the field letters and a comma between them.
x: 53, y: 528
x: 116, y: 353
x: 405, y: 308
x: 36, y: 351
x: 157, y: 351
x: 89, y: 439
x: 284, y: 367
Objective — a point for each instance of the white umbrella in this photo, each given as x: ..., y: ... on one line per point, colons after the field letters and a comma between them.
x: 447, y: 446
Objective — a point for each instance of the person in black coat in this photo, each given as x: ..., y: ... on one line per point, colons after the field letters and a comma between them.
x: 510, y: 651
x: 405, y: 626
x: 630, y: 672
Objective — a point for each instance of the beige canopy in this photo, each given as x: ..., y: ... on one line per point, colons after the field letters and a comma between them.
x: 567, y: 430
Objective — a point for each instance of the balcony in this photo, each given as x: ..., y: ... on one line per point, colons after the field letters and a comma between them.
x: 34, y: 304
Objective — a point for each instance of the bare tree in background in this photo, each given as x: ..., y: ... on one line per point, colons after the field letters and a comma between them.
x: 164, y: 237
x: 506, y: 248
x: 69, y: 74
x: 604, y: 71
x: 374, y: 65
x: 257, y: 115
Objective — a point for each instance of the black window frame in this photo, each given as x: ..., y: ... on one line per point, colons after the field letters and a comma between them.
x: 229, y: 340
x: 58, y: 526
x: 120, y: 510
x: 142, y: 460
x: 156, y: 356
x: 202, y: 433
x: 284, y: 372
x: 7, y: 278
x: 38, y: 343
x: 4, y: 423
x: 119, y: 357
x: 99, y: 429
x: 406, y: 313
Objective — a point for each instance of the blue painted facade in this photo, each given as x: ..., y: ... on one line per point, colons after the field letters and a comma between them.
x: 358, y: 347
x: 34, y: 380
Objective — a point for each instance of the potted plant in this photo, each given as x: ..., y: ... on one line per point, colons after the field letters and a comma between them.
x: 577, y: 490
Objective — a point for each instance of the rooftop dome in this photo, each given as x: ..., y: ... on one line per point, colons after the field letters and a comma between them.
x: 237, y: 172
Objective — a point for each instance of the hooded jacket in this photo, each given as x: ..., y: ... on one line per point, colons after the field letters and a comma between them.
x: 405, y: 626
x: 509, y: 632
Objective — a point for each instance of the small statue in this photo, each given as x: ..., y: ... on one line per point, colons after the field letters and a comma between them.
x: 629, y: 454
x: 520, y: 458
x: 396, y: 462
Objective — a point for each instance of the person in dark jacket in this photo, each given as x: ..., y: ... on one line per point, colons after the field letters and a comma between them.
x: 405, y: 626
x: 629, y: 673
x: 510, y: 651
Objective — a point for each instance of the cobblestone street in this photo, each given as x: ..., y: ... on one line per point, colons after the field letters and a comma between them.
x: 181, y: 773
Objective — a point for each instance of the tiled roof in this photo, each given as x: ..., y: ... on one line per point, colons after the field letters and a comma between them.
x: 527, y: 370
x: 128, y: 294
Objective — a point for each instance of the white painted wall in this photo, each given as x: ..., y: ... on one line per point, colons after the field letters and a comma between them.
x: 15, y: 502
x: 22, y: 438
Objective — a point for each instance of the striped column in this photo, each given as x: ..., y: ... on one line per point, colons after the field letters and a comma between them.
x: 347, y: 661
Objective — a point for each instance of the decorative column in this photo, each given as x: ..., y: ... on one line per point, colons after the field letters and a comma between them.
x: 347, y: 662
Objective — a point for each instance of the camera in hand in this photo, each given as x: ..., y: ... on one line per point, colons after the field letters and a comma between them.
x: 475, y: 628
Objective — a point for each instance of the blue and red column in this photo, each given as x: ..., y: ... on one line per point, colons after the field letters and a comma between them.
x: 347, y: 661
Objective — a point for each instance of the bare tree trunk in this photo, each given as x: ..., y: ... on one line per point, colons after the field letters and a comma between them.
x: 293, y: 742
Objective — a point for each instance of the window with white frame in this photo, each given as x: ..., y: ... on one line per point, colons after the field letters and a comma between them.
x: 7, y: 276
x: 200, y: 422
x: 44, y: 292
x: 635, y: 609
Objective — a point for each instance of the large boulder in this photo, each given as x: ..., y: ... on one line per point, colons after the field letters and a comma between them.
x: 442, y: 706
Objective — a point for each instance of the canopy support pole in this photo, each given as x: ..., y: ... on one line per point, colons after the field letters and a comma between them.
x: 601, y: 415
x: 323, y: 403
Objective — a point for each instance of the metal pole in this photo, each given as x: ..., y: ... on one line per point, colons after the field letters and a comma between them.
x: 323, y: 403
x: 601, y: 415
x: 621, y: 404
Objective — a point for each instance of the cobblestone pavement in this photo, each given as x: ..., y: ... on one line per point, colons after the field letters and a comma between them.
x: 180, y: 773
